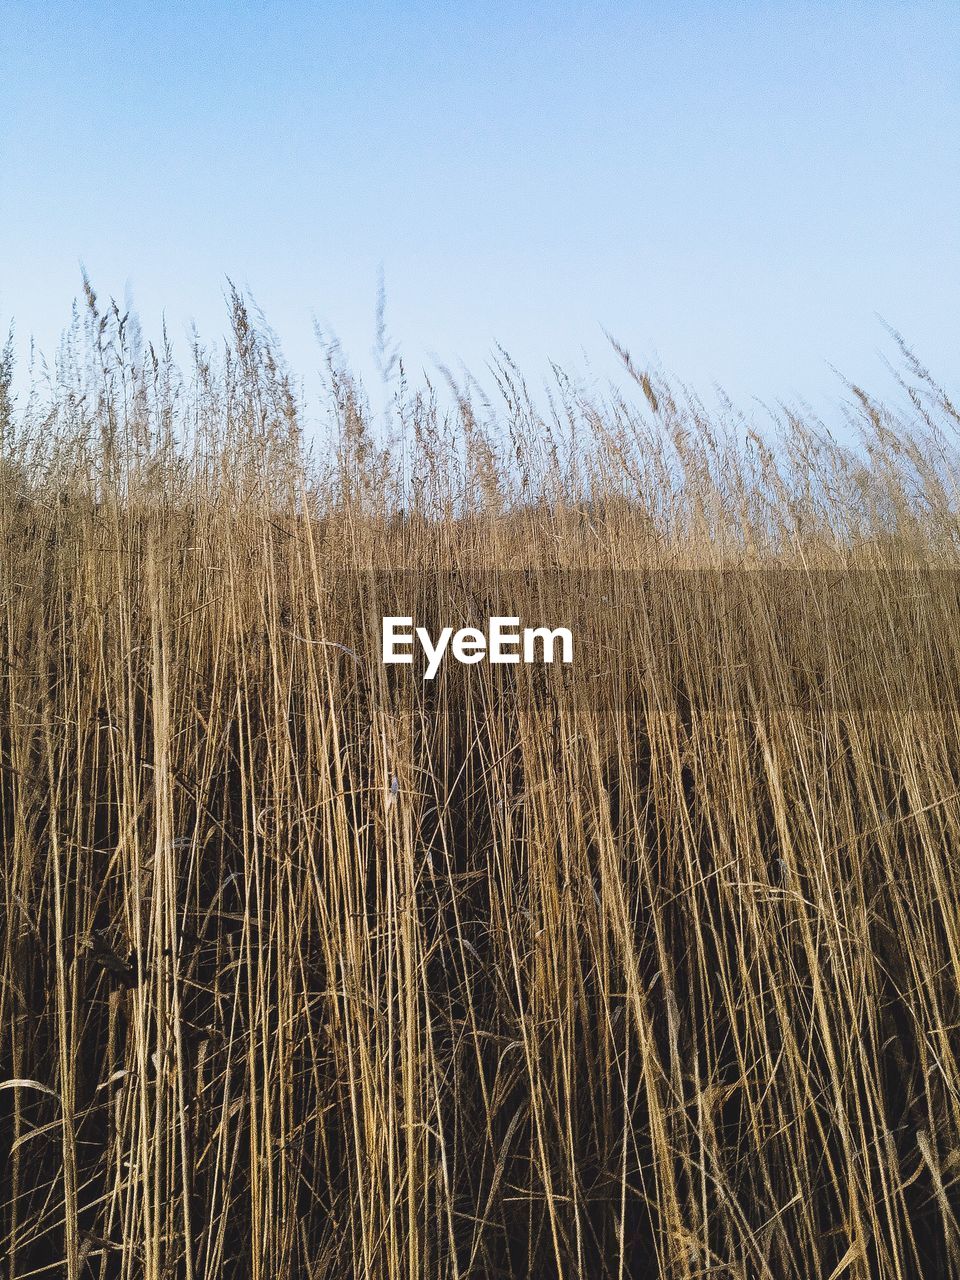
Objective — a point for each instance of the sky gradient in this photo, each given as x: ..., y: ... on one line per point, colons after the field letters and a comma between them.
x: 735, y: 190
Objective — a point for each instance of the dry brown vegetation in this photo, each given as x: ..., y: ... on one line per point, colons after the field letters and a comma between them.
x: 647, y: 967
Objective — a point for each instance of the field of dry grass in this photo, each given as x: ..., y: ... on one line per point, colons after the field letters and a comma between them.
x: 646, y: 966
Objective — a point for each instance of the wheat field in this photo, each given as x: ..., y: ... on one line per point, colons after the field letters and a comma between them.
x: 644, y: 966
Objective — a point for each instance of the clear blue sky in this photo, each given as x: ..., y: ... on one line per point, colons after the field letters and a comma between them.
x: 735, y: 188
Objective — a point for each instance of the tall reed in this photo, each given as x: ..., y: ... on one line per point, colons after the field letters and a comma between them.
x: 645, y: 966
